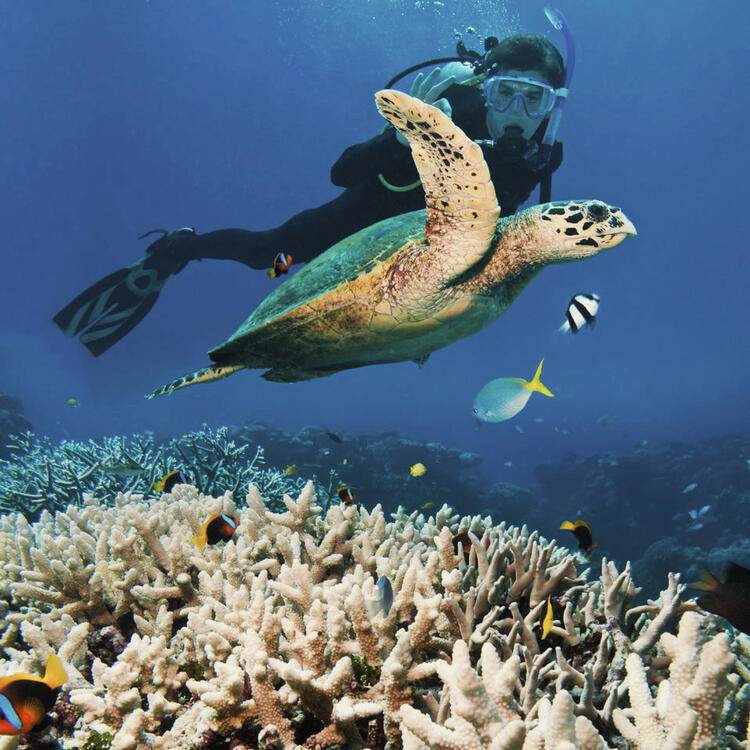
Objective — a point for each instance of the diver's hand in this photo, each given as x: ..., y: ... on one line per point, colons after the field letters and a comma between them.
x: 429, y: 90
x: 169, y: 254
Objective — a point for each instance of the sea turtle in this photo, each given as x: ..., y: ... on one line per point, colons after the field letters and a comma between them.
x: 414, y: 283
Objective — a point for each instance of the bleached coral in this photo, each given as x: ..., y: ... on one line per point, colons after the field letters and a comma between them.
x: 270, y: 637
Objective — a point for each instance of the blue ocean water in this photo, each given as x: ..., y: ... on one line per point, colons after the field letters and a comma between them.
x: 121, y: 117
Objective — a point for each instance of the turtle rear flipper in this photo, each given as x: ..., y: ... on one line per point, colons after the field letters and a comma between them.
x: 462, y: 208
x: 206, y: 375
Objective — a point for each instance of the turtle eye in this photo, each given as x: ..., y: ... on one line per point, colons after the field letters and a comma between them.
x: 597, y: 211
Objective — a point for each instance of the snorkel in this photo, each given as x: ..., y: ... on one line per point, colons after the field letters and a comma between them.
x: 557, y: 19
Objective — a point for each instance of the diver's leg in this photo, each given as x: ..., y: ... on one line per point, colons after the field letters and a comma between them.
x: 109, y: 309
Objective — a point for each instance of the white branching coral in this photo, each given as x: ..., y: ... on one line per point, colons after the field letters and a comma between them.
x: 270, y: 640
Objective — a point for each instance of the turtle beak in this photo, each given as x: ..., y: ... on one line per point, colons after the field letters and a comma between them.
x: 621, y: 229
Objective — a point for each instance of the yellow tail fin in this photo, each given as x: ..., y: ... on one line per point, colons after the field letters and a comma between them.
x: 271, y: 273
x: 535, y: 384
x: 199, y: 541
x: 54, y: 674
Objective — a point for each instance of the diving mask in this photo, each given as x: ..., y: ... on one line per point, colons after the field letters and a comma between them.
x: 537, y: 98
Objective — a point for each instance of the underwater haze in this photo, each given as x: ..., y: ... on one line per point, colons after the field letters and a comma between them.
x: 121, y: 117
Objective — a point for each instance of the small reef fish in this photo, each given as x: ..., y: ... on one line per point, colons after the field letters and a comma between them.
x: 560, y: 430
x: 281, y: 264
x: 170, y: 480
x: 291, y: 470
x: 728, y: 598
x: 417, y: 470
x: 503, y: 398
x: 74, y: 402
x: 345, y: 462
x: 427, y: 506
x: 641, y: 444
x: 346, y: 494
x: 384, y: 601
x: 509, y: 464
x: 539, y: 420
x: 466, y: 538
x: 126, y: 467
x: 581, y: 312
x: 582, y: 532
x: 605, y: 419
x: 386, y: 595
x: 690, y: 488
x: 333, y: 436
x: 519, y: 429
x: 548, y: 620
x: 218, y: 528
x: 26, y: 698
x: 697, y: 517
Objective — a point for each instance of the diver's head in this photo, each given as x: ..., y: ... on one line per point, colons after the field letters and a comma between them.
x: 522, y: 73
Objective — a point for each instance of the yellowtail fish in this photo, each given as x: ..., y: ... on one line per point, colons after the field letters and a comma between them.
x: 503, y: 398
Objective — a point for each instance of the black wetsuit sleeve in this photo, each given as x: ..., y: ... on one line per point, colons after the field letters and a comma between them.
x: 362, y: 161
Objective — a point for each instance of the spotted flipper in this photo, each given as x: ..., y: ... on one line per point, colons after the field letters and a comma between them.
x: 206, y: 375
x: 462, y: 208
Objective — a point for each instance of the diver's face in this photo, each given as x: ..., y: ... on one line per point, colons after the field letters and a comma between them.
x: 515, y: 115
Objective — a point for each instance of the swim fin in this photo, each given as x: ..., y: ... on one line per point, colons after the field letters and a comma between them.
x: 109, y: 309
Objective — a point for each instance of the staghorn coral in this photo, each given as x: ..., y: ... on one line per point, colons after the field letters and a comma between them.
x: 256, y: 641
x: 39, y: 475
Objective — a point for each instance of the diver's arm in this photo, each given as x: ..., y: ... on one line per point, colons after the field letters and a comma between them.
x: 362, y: 161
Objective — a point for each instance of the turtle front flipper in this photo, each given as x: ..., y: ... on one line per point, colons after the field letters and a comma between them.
x: 462, y: 209
x: 206, y: 375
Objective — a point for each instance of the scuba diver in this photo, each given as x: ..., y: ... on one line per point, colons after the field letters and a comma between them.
x: 508, y: 99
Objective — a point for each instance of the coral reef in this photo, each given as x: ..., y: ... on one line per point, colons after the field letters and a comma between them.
x: 269, y: 641
x: 639, y: 504
x: 40, y: 475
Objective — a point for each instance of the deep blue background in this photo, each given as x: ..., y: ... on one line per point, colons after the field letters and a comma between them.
x: 118, y: 117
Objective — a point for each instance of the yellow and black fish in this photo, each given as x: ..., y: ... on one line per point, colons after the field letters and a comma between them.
x: 26, y: 698
x: 728, y: 598
x: 281, y: 264
x: 218, y: 528
x: 549, y: 619
x: 168, y: 481
x: 582, y: 532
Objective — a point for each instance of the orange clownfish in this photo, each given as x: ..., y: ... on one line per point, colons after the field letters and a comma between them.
x: 346, y: 494
x: 168, y: 481
x: 281, y: 264
x: 465, y: 538
x: 582, y: 532
x: 26, y: 698
x: 218, y: 528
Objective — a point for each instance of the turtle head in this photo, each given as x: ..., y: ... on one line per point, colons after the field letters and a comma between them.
x: 573, y: 230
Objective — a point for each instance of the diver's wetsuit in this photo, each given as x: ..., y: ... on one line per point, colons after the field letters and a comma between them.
x: 366, y: 200
x: 106, y: 311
